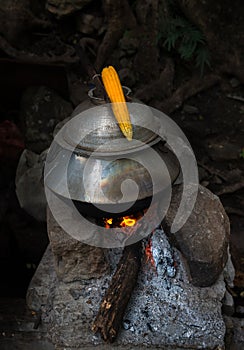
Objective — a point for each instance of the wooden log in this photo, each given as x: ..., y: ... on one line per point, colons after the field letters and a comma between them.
x: 113, y: 305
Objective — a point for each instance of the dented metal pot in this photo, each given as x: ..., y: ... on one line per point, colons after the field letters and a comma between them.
x: 92, y: 160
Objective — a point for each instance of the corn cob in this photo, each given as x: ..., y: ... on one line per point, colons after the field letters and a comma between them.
x: 115, y: 93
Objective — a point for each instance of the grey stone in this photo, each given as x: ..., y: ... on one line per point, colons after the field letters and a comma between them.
x: 74, y: 260
x: 190, y: 109
x: 29, y: 184
x: 127, y: 77
x: 77, y: 88
x: 205, y: 183
x: 125, y: 63
x: 38, y: 290
x: 65, y: 7
x: 234, y: 82
x: 165, y: 311
x: 234, y: 333
x: 17, y: 19
x: 240, y: 310
x: 203, y: 240
x: 88, y: 23
x: 229, y: 272
x: 220, y: 150
x: 41, y: 109
x: 228, y: 304
x: 203, y: 174
x: 129, y: 43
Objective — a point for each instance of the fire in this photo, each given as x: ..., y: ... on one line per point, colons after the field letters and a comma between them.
x: 108, y: 222
x: 127, y: 221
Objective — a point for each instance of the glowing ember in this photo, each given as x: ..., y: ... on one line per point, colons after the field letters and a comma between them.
x: 149, y: 254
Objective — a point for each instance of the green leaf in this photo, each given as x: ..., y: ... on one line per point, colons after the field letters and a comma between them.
x: 181, y: 35
x: 242, y: 153
x: 202, y: 58
x: 170, y: 41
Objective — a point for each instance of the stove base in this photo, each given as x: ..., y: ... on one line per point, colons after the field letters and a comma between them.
x: 165, y: 310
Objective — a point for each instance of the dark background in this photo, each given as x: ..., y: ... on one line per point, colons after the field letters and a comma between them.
x: 182, y: 57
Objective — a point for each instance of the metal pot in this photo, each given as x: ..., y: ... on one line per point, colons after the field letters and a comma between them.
x: 92, y: 159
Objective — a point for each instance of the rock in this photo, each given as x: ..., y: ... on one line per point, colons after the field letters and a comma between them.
x: 65, y: 7
x: 29, y: 184
x: 237, y: 249
x: 38, y: 290
x: 233, y: 175
x: 17, y: 19
x: 229, y: 276
x: 234, y: 333
x: 129, y: 43
x: 41, y: 109
x: 203, y: 240
x: 77, y: 88
x: 228, y: 304
x: 127, y: 77
x: 29, y: 235
x: 221, y: 150
x: 125, y: 63
x: 74, y: 260
x: 238, y: 337
x: 203, y: 174
x: 234, y: 82
x: 11, y: 142
x: 88, y: 23
x: 229, y: 272
x: 190, y: 109
x: 205, y: 183
x: 240, y: 310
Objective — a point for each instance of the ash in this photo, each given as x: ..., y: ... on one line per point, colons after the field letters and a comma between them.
x: 164, y: 310
x: 163, y: 255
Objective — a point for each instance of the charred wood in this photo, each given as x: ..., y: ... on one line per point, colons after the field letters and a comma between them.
x: 113, y: 305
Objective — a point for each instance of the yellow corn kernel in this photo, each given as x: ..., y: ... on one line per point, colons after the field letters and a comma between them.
x: 115, y: 93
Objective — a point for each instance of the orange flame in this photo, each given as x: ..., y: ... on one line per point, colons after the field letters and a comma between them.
x: 108, y: 222
x: 127, y: 221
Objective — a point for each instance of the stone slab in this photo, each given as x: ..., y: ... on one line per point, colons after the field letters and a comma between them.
x: 203, y: 239
x: 74, y: 260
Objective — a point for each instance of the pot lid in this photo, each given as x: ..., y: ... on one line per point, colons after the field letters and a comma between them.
x: 95, y: 131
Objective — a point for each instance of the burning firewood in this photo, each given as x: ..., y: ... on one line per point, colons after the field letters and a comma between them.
x: 110, y: 315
